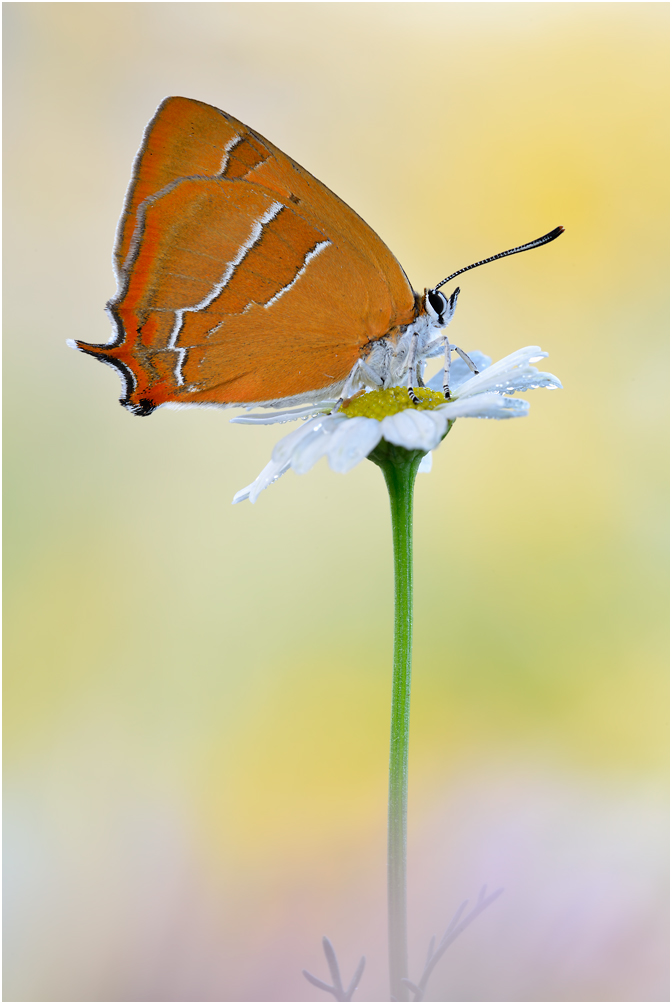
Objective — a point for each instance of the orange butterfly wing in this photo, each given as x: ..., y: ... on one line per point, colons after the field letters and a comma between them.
x: 241, y: 278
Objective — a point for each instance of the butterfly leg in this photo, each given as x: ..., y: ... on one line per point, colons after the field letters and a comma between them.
x: 463, y: 355
x: 361, y: 375
x: 446, y: 369
x: 412, y: 367
x: 372, y: 378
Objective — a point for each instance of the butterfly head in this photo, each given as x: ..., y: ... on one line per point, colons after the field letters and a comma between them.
x: 438, y: 307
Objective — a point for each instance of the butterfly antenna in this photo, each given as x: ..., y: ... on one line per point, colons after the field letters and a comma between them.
x: 546, y: 239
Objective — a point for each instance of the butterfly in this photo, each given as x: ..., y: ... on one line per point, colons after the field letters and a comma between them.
x: 243, y: 280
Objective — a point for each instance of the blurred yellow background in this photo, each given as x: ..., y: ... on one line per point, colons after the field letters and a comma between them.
x: 197, y: 696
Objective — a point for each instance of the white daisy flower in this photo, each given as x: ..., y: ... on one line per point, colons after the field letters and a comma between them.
x: 349, y: 435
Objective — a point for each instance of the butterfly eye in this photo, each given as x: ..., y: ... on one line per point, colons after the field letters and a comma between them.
x: 436, y: 304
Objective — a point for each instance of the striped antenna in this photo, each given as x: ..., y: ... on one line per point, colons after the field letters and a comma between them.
x: 546, y: 239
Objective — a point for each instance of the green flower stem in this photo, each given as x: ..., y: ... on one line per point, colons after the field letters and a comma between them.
x: 399, y: 467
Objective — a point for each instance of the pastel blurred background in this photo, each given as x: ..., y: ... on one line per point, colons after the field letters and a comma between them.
x: 197, y: 696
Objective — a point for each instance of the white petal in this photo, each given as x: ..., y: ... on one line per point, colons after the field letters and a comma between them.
x: 425, y: 464
x: 271, y: 472
x: 530, y: 378
x: 521, y: 357
x: 459, y: 371
x: 501, y: 373
x: 290, y: 415
x: 521, y: 379
x: 312, y: 447
x: 352, y: 442
x: 415, y: 430
x: 284, y: 448
x: 485, y: 406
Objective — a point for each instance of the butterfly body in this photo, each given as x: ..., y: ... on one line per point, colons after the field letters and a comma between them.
x: 243, y: 280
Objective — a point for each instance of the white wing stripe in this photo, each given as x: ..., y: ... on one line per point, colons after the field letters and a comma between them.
x: 313, y: 253
x: 234, y: 141
x: 247, y: 246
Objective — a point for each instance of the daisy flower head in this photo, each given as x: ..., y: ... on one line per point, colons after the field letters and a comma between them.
x: 348, y: 434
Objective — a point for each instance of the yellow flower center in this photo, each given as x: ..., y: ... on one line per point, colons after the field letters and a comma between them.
x: 381, y: 403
